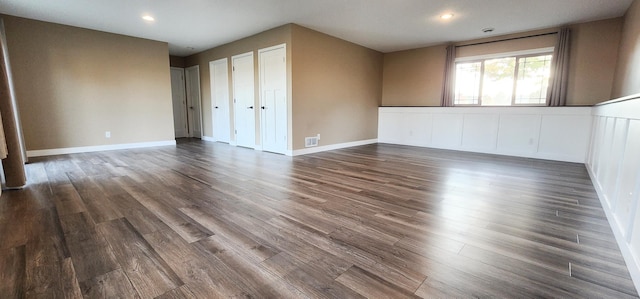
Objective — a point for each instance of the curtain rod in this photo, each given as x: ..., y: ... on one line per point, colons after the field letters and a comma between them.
x: 507, y: 39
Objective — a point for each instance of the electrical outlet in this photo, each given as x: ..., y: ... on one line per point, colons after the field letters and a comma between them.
x: 107, y: 134
x: 318, y: 136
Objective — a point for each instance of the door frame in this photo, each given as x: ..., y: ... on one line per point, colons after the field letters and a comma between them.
x: 198, y: 103
x: 261, y: 95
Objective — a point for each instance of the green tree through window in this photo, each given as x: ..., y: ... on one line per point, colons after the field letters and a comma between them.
x: 504, y: 81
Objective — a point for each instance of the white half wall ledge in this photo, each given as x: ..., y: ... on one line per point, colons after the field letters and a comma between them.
x: 98, y: 148
x: 613, y: 164
x: 550, y: 133
x: 330, y: 147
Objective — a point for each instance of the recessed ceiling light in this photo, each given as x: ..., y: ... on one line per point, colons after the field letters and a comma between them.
x: 148, y: 18
x: 446, y: 16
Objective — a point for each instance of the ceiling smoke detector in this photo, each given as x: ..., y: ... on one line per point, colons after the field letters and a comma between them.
x: 487, y: 30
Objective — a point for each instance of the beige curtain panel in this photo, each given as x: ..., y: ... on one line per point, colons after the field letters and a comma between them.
x: 557, y: 91
x: 447, y: 84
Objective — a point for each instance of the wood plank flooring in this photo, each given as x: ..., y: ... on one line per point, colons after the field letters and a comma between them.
x: 208, y: 220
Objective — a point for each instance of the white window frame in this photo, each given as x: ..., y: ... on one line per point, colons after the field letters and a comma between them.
x: 517, y: 54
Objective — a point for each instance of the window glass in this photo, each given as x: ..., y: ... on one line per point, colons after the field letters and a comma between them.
x: 533, y: 79
x: 497, y: 83
x: 503, y: 81
x: 468, y: 83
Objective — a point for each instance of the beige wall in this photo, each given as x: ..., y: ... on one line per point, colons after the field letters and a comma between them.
x: 627, y: 78
x: 336, y: 89
x: 273, y: 37
x: 414, y: 77
x: 74, y: 84
x: 594, y: 52
x: 177, y: 61
x: 334, y: 85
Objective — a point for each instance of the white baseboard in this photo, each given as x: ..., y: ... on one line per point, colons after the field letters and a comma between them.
x: 330, y: 147
x: 97, y: 148
x: 211, y: 139
x: 633, y: 265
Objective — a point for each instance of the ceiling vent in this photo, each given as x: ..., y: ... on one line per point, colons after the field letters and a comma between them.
x: 310, y: 141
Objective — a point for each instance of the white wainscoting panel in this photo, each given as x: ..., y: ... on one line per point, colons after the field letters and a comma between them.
x: 419, y: 128
x: 629, y: 175
x: 614, y: 166
x: 518, y: 133
x: 564, y: 137
x: 389, y: 131
x: 446, y: 129
x: 480, y: 132
x: 555, y: 133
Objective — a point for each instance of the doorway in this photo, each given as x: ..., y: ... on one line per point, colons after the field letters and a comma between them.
x: 179, y: 98
x: 194, y: 116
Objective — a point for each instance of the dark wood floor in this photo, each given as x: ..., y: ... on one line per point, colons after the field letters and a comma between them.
x: 209, y: 220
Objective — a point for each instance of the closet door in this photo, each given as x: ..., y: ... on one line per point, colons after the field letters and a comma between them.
x: 244, y: 100
x: 221, y: 122
x: 273, y: 98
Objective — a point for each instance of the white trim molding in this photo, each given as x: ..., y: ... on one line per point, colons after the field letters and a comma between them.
x: 330, y: 147
x: 97, y: 148
x: 207, y: 138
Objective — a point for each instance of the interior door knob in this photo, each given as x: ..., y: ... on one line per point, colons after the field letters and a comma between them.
x: 250, y: 107
x: 216, y: 107
x: 263, y: 107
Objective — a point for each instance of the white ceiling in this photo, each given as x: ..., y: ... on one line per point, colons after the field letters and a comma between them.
x: 191, y: 26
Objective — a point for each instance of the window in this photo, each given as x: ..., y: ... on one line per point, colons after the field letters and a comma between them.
x: 503, y: 80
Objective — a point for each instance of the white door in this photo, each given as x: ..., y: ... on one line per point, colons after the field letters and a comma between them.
x: 192, y: 75
x: 179, y: 102
x: 220, y: 100
x: 244, y: 100
x: 273, y: 98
